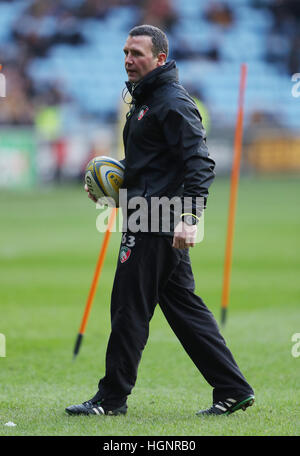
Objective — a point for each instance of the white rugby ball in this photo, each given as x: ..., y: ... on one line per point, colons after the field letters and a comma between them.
x: 104, y: 177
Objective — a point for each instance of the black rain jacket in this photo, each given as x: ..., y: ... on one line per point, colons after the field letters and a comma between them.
x: 165, y: 141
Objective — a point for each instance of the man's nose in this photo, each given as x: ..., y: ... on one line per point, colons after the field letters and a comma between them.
x: 128, y: 59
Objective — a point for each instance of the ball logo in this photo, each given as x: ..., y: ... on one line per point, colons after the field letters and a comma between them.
x: 143, y: 112
x: 89, y: 183
x: 115, y: 181
x: 124, y: 254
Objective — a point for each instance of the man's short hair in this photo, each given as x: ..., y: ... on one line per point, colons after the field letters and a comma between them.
x: 159, y: 38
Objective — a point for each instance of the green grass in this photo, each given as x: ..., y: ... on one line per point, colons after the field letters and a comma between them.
x: 48, y: 250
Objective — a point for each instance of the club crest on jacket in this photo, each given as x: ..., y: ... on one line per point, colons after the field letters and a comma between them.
x: 143, y: 112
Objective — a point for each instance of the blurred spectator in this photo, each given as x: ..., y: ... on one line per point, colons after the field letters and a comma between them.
x: 159, y: 13
x: 16, y: 108
x: 294, y: 55
x: 96, y: 9
x: 199, y: 99
x: 287, y: 22
x: 285, y: 12
x: 68, y: 30
x: 264, y: 119
x: 40, y: 8
x: 284, y: 38
x: 182, y: 50
x: 220, y: 14
x: 38, y: 34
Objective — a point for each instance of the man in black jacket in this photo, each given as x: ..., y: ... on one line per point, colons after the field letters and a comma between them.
x: 165, y: 157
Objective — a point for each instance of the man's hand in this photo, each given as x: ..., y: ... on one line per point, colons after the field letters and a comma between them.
x: 101, y: 202
x: 89, y: 195
x: 184, y: 236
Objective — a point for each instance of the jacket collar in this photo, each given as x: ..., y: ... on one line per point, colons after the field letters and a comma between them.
x: 152, y: 80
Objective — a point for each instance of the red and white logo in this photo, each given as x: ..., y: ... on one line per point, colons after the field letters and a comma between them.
x: 143, y: 112
x: 124, y: 254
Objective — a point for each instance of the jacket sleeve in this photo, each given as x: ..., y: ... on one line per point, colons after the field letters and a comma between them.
x: 186, y: 137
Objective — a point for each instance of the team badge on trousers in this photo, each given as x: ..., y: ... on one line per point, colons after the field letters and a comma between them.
x: 124, y: 254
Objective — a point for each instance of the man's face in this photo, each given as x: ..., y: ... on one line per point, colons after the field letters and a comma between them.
x: 139, y: 59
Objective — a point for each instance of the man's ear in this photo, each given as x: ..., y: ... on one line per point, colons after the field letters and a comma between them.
x: 161, y: 59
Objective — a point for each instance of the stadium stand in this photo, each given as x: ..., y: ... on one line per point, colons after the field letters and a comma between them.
x: 70, y: 52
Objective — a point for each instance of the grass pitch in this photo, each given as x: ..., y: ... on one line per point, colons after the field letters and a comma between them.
x: 48, y: 250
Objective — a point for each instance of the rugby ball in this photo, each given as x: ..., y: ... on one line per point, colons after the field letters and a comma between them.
x: 104, y: 177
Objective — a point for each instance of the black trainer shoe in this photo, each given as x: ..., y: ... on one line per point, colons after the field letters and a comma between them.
x: 227, y: 406
x: 94, y: 408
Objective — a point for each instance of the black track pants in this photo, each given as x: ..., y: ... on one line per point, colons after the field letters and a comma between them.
x: 151, y: 271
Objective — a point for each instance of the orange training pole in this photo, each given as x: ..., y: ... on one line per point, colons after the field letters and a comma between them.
x: 94, y: 282
x: 233, y: 192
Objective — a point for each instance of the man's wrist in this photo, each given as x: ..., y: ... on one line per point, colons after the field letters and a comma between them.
x: 190, y: 219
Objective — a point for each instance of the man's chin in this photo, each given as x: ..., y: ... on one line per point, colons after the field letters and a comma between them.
x: 133, y: 78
